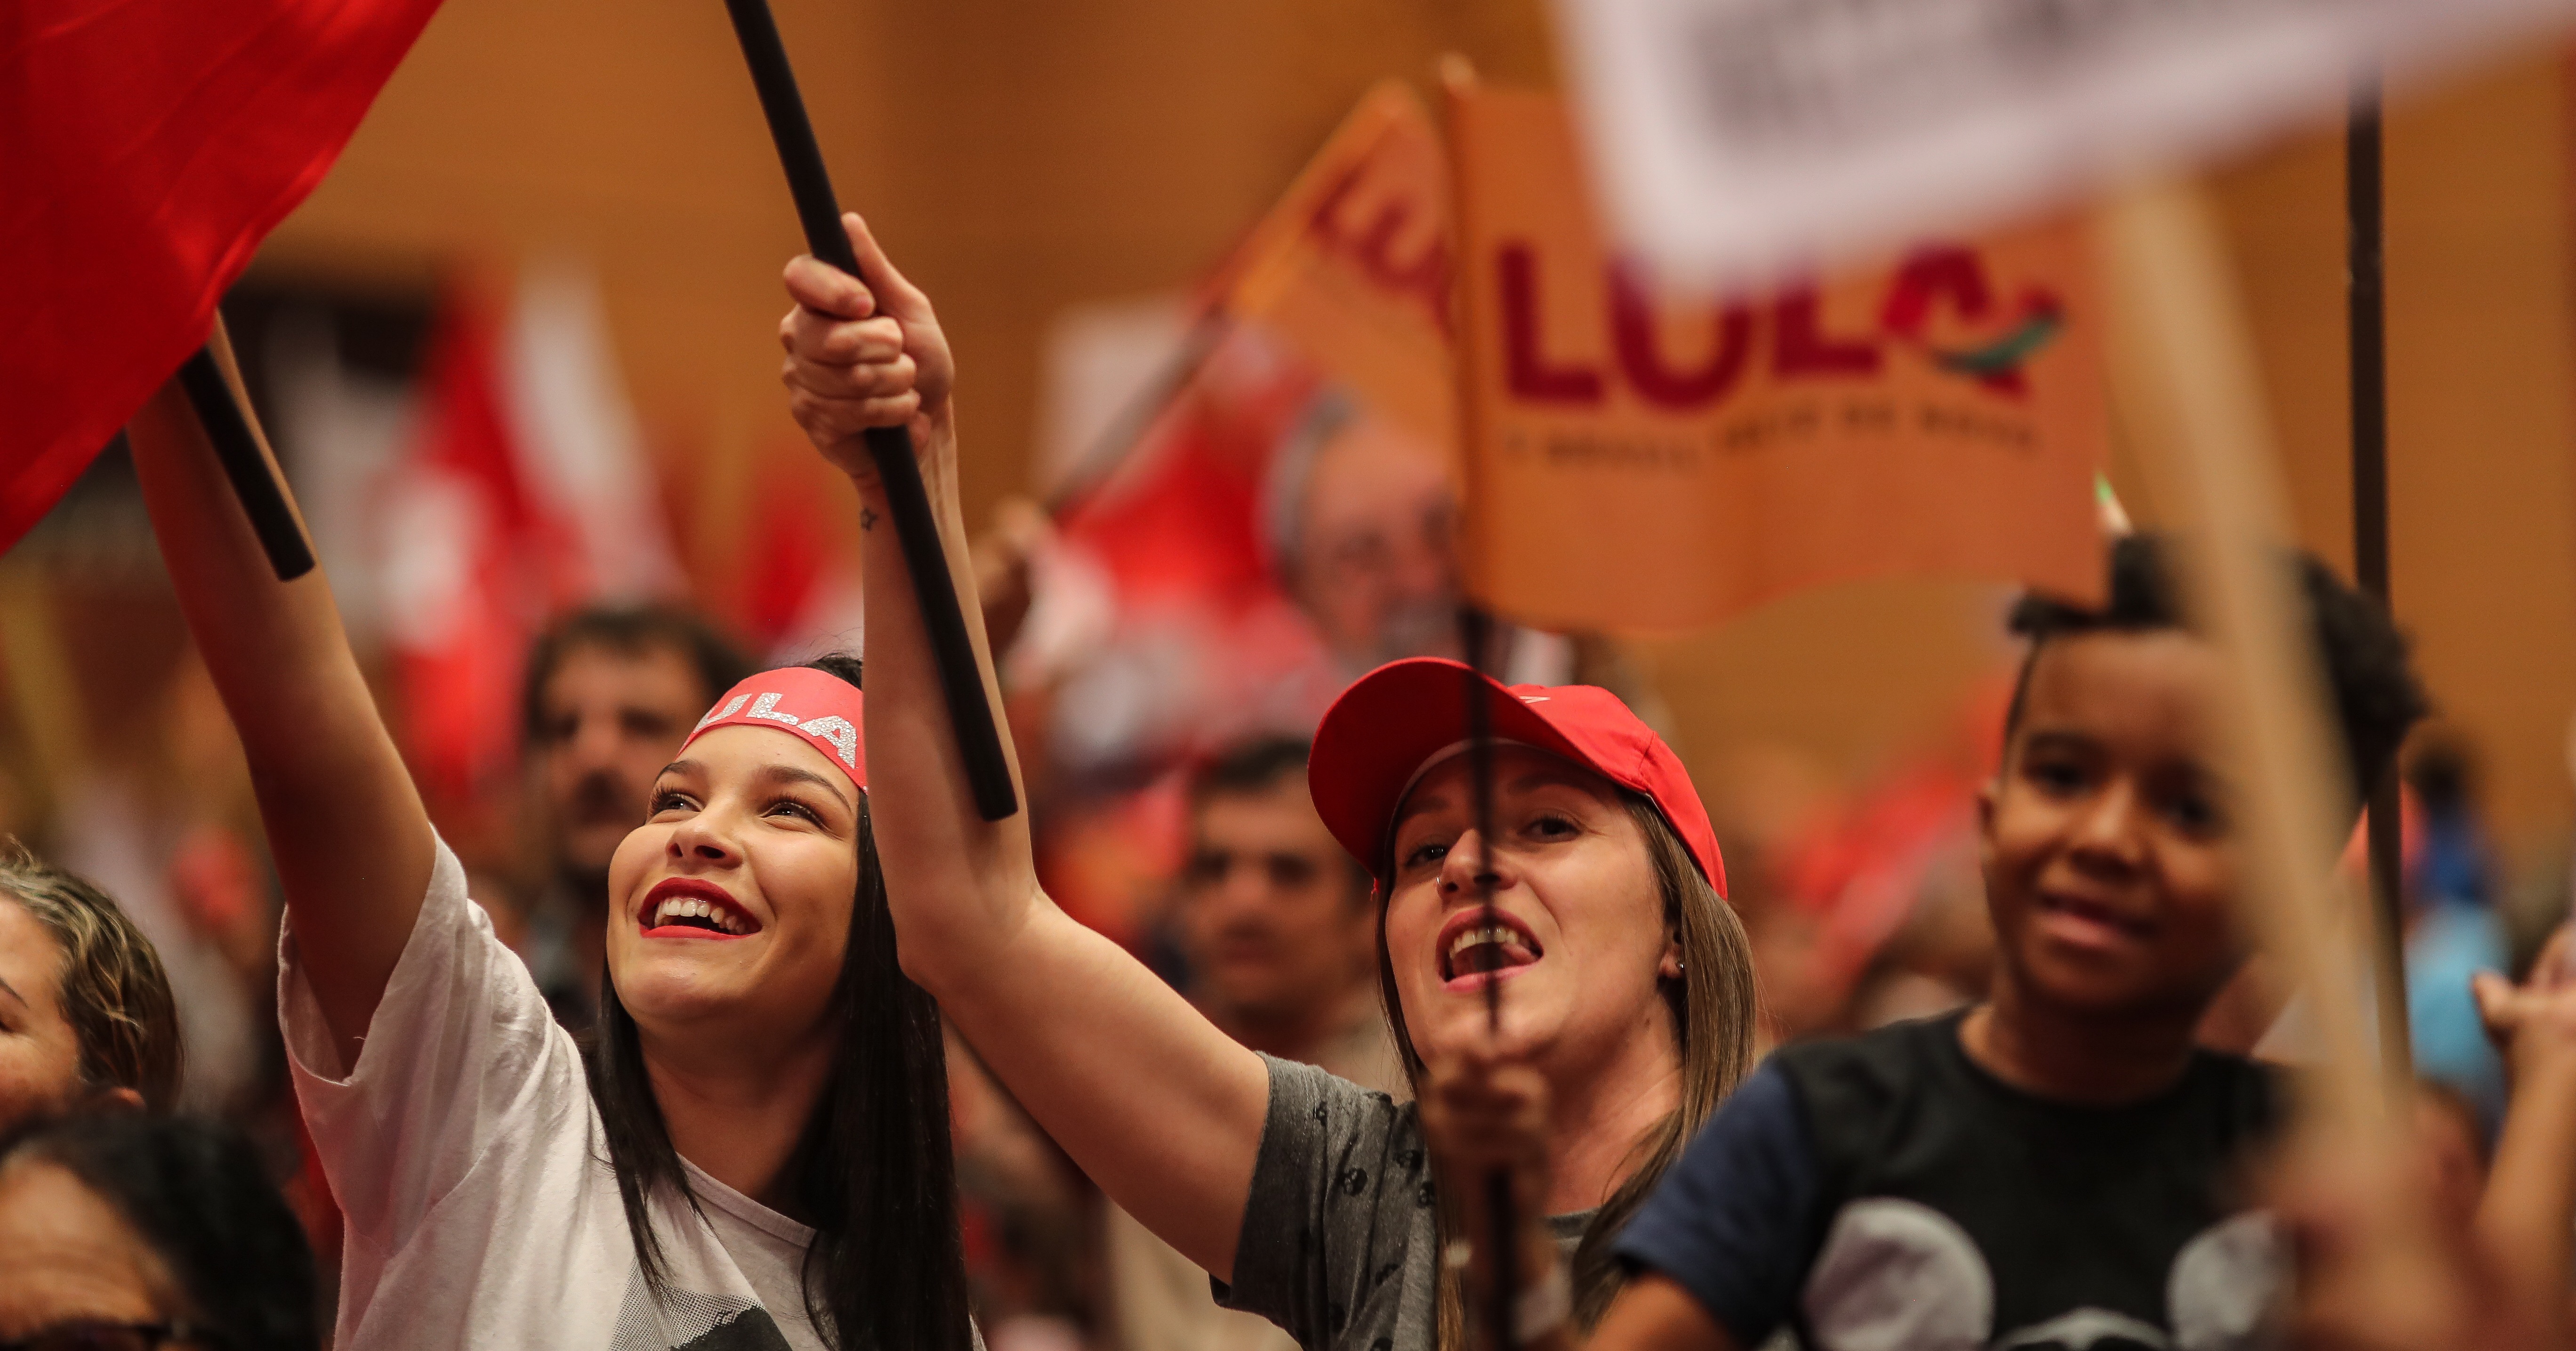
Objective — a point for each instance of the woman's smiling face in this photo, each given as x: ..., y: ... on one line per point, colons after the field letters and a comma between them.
x: 1579, y: 940
x: 732, y: 900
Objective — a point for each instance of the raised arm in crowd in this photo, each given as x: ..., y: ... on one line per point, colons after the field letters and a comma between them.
x: 1626, y: 981
x: 768, y: 1092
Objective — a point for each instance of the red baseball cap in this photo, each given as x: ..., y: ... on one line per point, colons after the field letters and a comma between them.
x: 1380, y: 733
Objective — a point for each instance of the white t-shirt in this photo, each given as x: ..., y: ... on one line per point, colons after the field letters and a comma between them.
x: 469, y: 1161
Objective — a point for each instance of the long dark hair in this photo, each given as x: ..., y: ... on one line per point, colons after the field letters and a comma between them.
x: 873, y: 1173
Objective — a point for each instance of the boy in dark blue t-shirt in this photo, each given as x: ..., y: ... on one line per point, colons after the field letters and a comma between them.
x: 2060, y: 1167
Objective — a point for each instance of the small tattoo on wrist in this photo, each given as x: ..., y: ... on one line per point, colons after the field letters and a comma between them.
x: 867, y: 518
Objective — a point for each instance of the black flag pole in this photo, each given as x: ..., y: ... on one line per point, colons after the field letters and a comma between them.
x: 979, y: 740
x: 236, y: 439
x: 1476, y: 634
x: 1476, y: 631
x: 2366, y: 296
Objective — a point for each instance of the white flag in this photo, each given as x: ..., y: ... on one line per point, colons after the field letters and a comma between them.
x: 578, y: 447
x: 1741, y: 140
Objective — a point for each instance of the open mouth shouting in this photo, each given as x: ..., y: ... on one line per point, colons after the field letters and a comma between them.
x: 689, y: 907
x: 1473, y: 952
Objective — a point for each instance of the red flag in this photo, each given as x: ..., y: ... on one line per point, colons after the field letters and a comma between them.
x: 795, y: 583
x: 522, y: 496
x: 474, y: 560
x: 148, y: 146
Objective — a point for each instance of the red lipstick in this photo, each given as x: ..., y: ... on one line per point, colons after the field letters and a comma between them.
x: 692, y: 907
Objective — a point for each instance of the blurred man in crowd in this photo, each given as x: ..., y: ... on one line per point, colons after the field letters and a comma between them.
x: 1278, y: 932
x: 1274, y: 921
x: 610, y: 695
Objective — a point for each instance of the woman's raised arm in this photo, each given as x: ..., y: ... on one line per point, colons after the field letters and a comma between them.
x: 352, y: 842
x: 1164, y: 1111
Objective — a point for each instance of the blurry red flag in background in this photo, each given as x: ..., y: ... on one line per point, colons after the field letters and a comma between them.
x: 1322, y: 342
x: 1205, y: 644
x: 523, y: 495
x: 787, y: 557
x: 472, y: 565
x: 148, y: 145
x: 796, y: 589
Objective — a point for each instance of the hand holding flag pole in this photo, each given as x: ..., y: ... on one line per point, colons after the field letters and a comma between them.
x: 979, y: 740
x: 242, y: 451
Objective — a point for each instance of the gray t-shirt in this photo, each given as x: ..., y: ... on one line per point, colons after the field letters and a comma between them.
x: 1338, y: 1245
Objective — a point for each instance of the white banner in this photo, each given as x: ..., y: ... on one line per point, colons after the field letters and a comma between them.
x: 1738, y: 140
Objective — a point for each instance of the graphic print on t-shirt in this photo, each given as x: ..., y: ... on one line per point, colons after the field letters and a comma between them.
x: 1886, y: 1193
x: 1898, y: 1274
x: 688, y: 1321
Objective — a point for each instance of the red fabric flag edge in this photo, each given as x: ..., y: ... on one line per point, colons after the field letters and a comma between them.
x: 314, y: 103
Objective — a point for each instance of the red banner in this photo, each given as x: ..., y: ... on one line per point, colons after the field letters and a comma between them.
x: 148, y: 146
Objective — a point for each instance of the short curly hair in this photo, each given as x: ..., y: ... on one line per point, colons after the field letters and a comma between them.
x: 114, y: 991
x: 2365, y: 661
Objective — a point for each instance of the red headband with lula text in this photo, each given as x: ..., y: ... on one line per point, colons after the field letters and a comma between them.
x: 799, y: 700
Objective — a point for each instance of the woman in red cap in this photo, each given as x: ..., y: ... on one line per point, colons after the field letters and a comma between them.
x: 755, y: 1154
x: 1626, y: 991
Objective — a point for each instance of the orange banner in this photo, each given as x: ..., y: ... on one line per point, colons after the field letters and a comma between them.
x: 1643, y: 465
x: 1353, y: 264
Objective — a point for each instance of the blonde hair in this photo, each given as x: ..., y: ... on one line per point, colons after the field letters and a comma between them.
x: 1712, y: 1003
x: 113, y: 990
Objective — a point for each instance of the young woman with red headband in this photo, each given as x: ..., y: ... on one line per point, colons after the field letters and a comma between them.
x: 755, y: 1154
x: 1626, y: 989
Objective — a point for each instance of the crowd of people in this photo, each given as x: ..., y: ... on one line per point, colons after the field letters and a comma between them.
x: 1453, y: 1031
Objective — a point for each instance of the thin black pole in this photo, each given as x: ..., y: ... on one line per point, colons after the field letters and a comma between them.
x: 235, y: 437
x: 2365, y: 242
x: 979, y: 740
x: 1476, y: 631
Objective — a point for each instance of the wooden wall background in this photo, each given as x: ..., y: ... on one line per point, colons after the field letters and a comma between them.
x: 1019, y: 158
